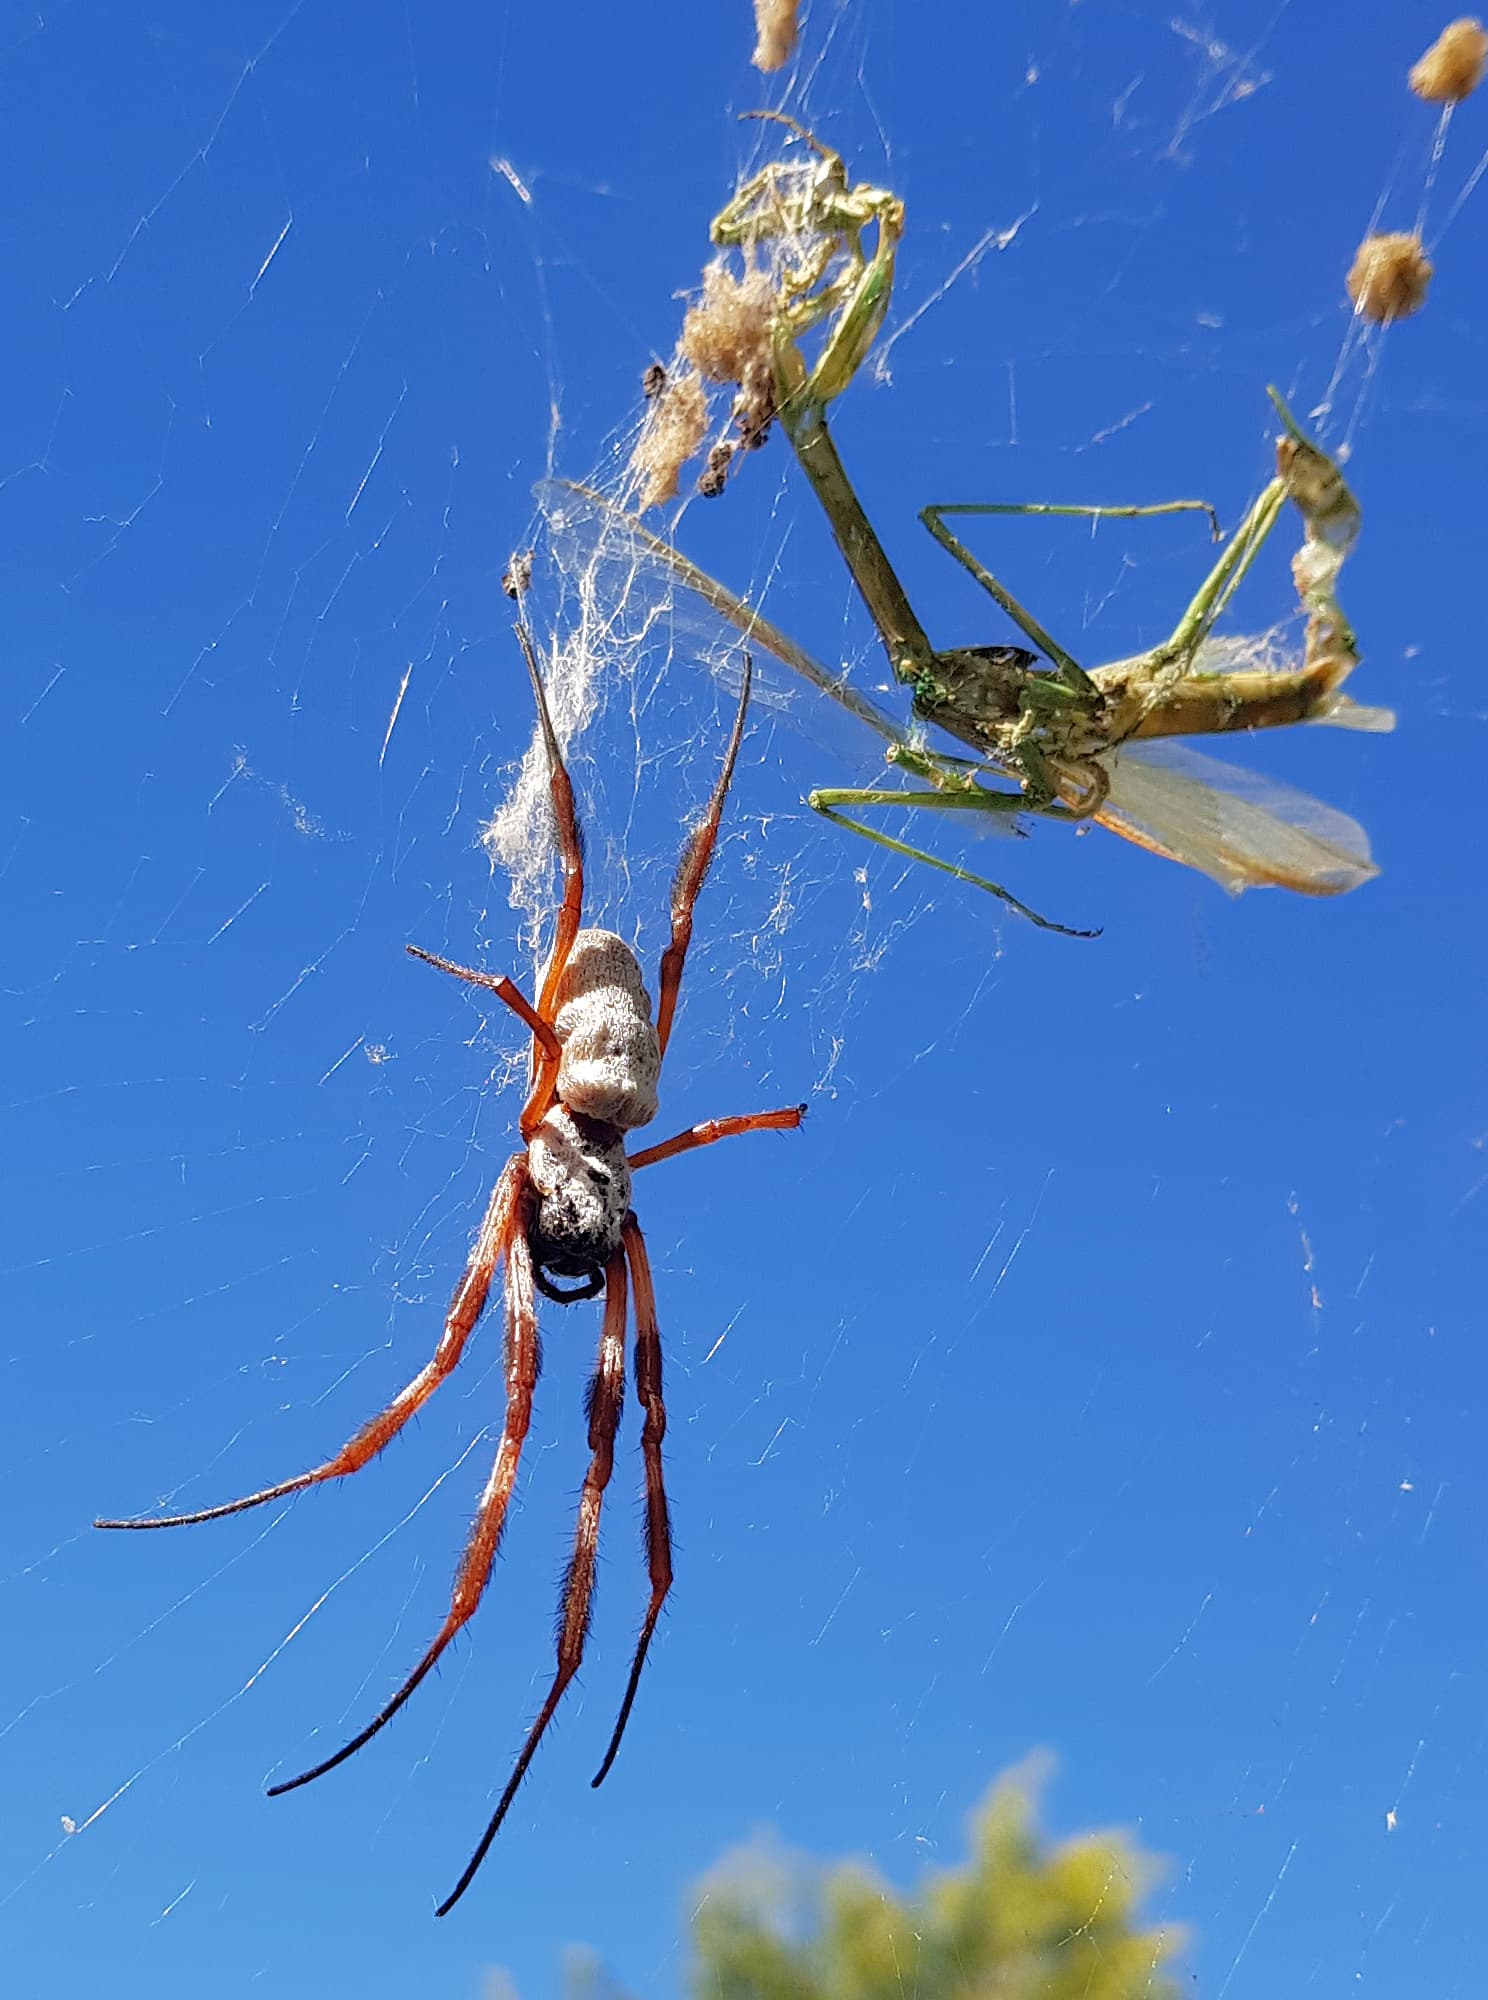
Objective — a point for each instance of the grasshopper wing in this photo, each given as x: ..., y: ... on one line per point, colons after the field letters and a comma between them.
x: 1243, y: 830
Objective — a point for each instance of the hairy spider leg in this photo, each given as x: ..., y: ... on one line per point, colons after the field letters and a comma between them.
x: 570, y: 911
x: 523, y: 1358
x: 506, y: 989
x: 713, y: 1129
x: 547, y: 1052
x: 606, y: 1396
x: 658, y: 1515
x: 692, y: 872
x: 648, y: 1387
x: 494, y: 1237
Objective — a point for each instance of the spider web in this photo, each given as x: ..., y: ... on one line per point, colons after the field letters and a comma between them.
x: 1097, y: 1370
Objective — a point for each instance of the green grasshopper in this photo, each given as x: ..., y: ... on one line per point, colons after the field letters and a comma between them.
x: 1076, y: 744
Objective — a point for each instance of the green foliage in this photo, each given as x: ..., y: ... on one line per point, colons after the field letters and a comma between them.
x: 1021, y: 1921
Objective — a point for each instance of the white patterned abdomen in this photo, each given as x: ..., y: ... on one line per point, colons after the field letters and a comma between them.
x: 611, y: 1057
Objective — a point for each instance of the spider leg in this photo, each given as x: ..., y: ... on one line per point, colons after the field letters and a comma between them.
x: 692, y: 871
x: 464, y: 1310
x: 507, y: 989
x: 606, y: 1395
x: 658, y: 1518
x: 570, y: 910
x: 522, y: 1361
x: 712, y: 1129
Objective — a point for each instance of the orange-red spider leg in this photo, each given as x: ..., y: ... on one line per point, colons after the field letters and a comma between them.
x: 506, y: 989
x: 713, y: 1129
x: 658, y: 1518
x: 606, y: 1395
x: 522, y: 1361
x: 464, y: 1310
x: 692, y: 870
x: 570, y: 910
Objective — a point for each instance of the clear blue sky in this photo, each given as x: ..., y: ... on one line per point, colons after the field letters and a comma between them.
x: 1101, y: 1369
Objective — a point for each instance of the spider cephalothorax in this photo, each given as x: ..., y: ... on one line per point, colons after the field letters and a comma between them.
x: 560, y: 1210
x: 581, y: 1178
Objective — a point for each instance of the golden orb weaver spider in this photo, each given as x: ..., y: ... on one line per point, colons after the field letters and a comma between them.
x: 560, y: 1211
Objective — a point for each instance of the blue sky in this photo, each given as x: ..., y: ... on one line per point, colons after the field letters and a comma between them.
x: 1100, y: 1370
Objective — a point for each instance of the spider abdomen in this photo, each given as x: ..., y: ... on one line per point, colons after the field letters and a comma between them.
x: 582, y: 1178
x: 611, y: 1055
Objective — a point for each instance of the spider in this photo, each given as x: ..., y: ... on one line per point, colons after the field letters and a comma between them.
x: 560, y: 1216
